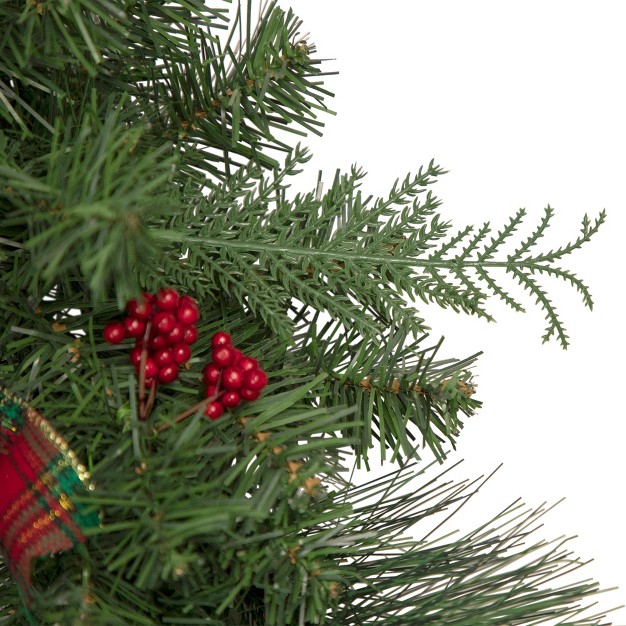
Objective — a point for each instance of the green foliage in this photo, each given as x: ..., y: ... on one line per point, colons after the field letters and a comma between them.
x: 94, y: 190
x: 402, y: 393
x: 235, y: 99
x: 224, y: 522
x: 522, y: 264
x: 359, y: 261
x: 148, y: 144
x: 138, y: 137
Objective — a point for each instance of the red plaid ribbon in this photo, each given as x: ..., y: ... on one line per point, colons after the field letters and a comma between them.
x: 39, y: 479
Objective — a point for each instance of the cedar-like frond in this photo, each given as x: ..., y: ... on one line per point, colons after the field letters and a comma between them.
x: 360, y: 261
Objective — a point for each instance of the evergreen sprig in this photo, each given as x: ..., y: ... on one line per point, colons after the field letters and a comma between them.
x: 94, y: 190
x: 360, y: 261
x: 235, y: 98
x: 311, y: 248
x: 402, y: 392
x: 488, y: 576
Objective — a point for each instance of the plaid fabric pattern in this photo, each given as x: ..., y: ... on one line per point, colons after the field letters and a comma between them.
x: 39, y: 478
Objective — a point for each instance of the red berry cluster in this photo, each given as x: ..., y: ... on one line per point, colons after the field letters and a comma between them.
x: 231, y: 377
x: 163, y: 325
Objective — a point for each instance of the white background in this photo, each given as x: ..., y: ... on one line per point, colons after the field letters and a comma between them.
x: 524, y: 104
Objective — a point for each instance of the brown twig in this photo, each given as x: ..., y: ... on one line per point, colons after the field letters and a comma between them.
x: 194, y: 409
x: 151, y: 396
x: 143, y: 411
x: 185, y: 414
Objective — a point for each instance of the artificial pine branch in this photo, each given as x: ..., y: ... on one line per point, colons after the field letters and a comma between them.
x: 402, y: 392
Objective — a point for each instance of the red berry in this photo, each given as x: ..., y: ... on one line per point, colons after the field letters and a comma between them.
x: 211, y: 374
x: 151, y: 369
x: 164, y: 322
x: 163, y: 357
x: 158, y: 343
x: 223, y: 355
x: 149, y: 382
x: 176, y: 335
x: 141, y: 309
x: 167, y: 299
x: 249, y: 394
x: 211, y: 391
x: 214, y: 410
x: 187, y: 300
x: 255, y: 379
x: 247, y: 363
x: 231, y: 399
x: 190, y: 335
x: 232, y: 378
x: 168, y: 374
x: 238, y: 356
x: 181, y: 352
x: 135, y: 355
x: 134, y: 327
x: 114, y: 332
x: 187, y: 312
x: 221, y: 339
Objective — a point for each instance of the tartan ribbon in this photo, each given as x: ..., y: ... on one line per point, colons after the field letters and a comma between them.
x: 39, y: 480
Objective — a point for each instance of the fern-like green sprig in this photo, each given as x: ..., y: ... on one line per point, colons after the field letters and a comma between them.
x: 360, y: 260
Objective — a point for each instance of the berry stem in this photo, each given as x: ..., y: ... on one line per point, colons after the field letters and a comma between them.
x: 143, y: 412
x: 151, y: 397
x: 185, y: 414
